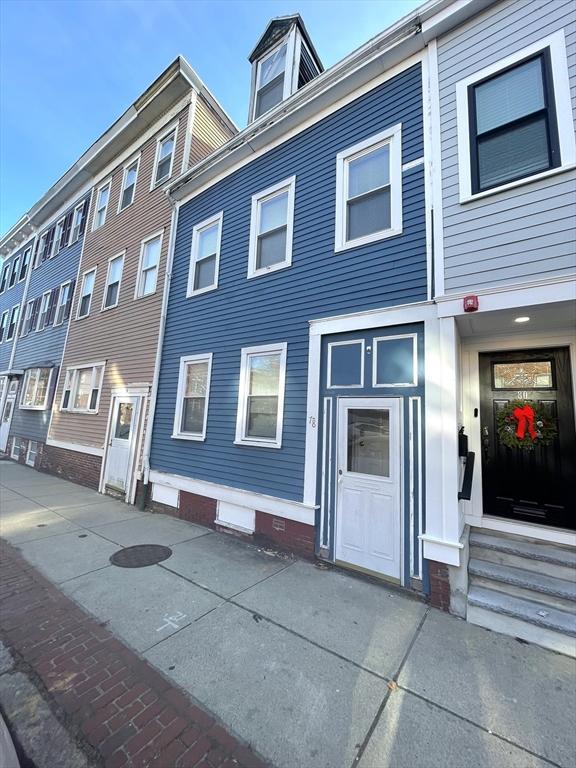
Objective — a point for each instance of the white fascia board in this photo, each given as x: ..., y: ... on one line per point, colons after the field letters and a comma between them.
x: 291, y: 510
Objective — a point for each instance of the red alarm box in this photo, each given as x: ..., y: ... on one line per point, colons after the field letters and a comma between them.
x: 470, y: 303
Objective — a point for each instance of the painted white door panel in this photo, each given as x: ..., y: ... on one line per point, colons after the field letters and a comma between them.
x: 7, y: 414
x: 121, y: 444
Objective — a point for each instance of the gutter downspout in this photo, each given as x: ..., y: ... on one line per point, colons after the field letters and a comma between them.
x: 161, y: 331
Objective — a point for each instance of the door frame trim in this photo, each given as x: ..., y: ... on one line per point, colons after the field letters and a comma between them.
x: 470, y: 399
x: 400, y: 400
x: 140, y: 393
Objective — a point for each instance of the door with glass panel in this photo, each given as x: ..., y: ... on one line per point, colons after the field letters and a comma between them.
x: 369, y: 498
x: 124, y: 414
x: 7, y: 413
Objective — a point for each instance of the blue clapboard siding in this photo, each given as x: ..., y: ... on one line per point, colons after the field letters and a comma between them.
x: 278, y: 306
x: 8, y: 299
x: 45, y: 348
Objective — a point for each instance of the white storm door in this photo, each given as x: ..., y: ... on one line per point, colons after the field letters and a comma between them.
x: 7, y: 413
x: 369, y: 501
x: 121, y: 443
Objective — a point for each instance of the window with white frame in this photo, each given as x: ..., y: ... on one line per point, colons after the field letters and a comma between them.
x: 12, y: 322
x: 44, y: 309
x: 27, y: 322
x: 4, y: 278
x: 205, y: 255
x: 35, y: 389
x: 128, y: 185
x: 63, y: 305
x: 149, y: 262
x: 102, y: 200
x: 82, y: 388
x: 512, y: 122
x: 14, y: 272
x: 31, y: 453
x: 86, y: 294
x: 58, y: 236
x: 164, y: 157
x: 77, y: 221
x: 191, y: 412
x: 113, y: 280
x: 3, y: 325
x: 270, y: 80
x: 271, y: 228
x: 15, y: 451
x: 24, y: 264
x: 369, y: 190
x: 261, y: 395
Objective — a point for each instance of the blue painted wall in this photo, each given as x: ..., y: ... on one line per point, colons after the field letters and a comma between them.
x: 44, y: 348
x: 8, y: 299
x: 277, y: 307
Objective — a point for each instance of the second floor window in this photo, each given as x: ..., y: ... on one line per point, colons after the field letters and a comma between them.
x: 271, y: 228
x: 205, y: 256
x: 113, y: 279
x: 58, y: 245
x: 101, y: 206
x: 149, y: 261
x: 128, y: 185
x: 164, y: 157
x: 82, y: 388
x: 78, y: 219
x: 86, y: 294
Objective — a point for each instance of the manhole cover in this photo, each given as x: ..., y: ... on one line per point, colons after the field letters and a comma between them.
x: 140, y: 556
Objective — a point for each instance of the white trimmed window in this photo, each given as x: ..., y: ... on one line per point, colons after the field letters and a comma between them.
x: 31, y: 453
x: 191, y: 413
x: 14, y: 272
x: 113, y: 280
x: 82, y: 387
x: 63, y: 306
x: 271, y: 228
x: 4, y: 278
x: 150, y: 251
x: 44, y: 309
x: 27, y: 324
x: 35, y: 389
x: 77, y: 219
x: 369, y: 190
x: 58, y: 237
x: 12, y: 322
x: 3, y: 325
x: 261, y: 396
x: 24, y: 264
x: 102, y: 199
x: 86, y: 294
x: 205, y: 255
x: 128, y: 189
x: 513, y: 122
x: 272, y: 85
x: 165, y: 149
x: 15, y: 452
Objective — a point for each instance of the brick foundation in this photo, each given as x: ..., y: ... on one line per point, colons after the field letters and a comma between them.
x: 439, y: 585
x: 81, y: 468
x: 289, y: 535
x: 194, y: 509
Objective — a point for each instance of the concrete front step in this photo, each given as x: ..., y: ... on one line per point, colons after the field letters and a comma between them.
x: 531, y: 621
x: 528, y: 548
x: 521, y: 582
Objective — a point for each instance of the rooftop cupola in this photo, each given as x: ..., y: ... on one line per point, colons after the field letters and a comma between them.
x: 283, y: 61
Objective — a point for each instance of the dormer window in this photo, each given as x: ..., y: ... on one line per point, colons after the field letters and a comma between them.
x: 283, y: 61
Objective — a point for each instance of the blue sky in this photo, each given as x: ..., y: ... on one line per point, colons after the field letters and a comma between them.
x: 68, y: 69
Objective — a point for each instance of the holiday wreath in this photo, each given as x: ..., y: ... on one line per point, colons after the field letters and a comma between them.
x: 521, y: 424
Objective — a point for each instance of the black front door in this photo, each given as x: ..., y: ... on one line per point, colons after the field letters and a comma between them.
x: 537, y: 485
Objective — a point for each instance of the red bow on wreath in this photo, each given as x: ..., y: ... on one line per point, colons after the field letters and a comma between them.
x: 525, y: 418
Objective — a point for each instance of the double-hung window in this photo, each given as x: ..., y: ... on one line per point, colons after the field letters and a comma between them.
x: 164, y: 157
x: 191, y: 412
x: 369, y: 190
x: 271, y: 228
x: 113, y: 280
x: 261, y: 396
x: 102, y: 200
x: 205, y: 255
x: 86, y: 294
x: 12, y: 322
x: 82, y: 388
x: 3, y: 325
x: 270, y: 80
x: 512, y: 122
x: 14, y: 272
x: 63, y: 305
x: 149, y: 262
x: 4, y: 278
x: 35, y: 389
x: 44, y: 309
x: 77, y: 221
x: 27, y: 323
x: 58, y: 245
x: 24, y: 264
x: 128, y: 185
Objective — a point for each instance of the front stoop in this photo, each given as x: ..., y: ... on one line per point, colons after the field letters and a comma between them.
x: 524, y: 588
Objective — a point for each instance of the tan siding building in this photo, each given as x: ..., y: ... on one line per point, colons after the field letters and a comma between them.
x: 102, y: 397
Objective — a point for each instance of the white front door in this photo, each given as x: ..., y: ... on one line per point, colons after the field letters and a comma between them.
x: 7, y: 413
x: 369, y: 501
x: 124, y: 417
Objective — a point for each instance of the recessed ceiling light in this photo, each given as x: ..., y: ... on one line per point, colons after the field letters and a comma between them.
x: 523, y: 319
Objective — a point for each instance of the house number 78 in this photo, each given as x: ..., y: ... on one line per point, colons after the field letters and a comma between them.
x: 312, y: 421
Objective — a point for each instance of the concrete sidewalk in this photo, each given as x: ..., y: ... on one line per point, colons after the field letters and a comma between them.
x: 312, y: 667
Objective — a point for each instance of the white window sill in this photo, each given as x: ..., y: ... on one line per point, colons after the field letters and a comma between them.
x: 121, y: 210
x: 160, y: 182
x: 32, y: 407
x: 258, y: 443
x: 107, y: 309
x: 200, y: 291
x: 469, y: 197
x: 182, y: 436
x: 376, y: 237
x: 78, y: 410
x: 82, y: 317
x: 271, y: 268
